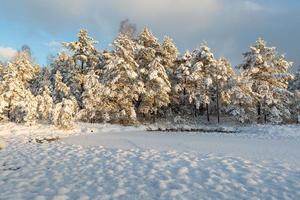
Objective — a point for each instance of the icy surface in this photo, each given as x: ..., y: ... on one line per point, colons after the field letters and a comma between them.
x: 113, y: 162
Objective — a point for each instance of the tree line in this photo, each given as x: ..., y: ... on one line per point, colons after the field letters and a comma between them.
x: 142, y: 80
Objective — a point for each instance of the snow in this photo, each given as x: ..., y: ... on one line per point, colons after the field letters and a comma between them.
x: 101, y: 161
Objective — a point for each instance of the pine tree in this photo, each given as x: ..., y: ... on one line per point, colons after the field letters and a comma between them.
x: 182, y: 84
x: 269, y: 73
x: 45, y: 105
x: 169, y: 53
x: 41, y: 80
x: 242, y: 102
x: 95, y: 100
x: 19, y: 103
x: 148, y: 48
x: 202, y: 75
x: 157, y: 87
x: 64, y: 113
x: 85, y: 58
x: 221, y: 74
x: 61, y: 90
x: 85, y: 54
x: 295, y: 83
x: 295, y: 106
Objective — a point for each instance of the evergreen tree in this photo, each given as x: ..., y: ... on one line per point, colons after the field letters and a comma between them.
x: 85, y: 58
x: 295, y: 83
x: 202, y: 75
x: 97, y: 105
x: 269, y: 73
x: 221, y: 74
x: 242, y: 102
x: 61, y: 90
x: 148, y: 48
x: 157, y: 87
x: 182, y: 84
x: 295, y: 106
x: 169, y: 53
x: 19, y: 103
x: 64, y: 113
x: 45, y: 105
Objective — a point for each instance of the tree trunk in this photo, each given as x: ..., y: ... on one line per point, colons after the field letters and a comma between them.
x: 258, y: 112
x: 153, y: 118
x: 207, y: 112
x: 265, y: 112
x: 218, y: 106
x: 8, y: 110
x: 81, y: 88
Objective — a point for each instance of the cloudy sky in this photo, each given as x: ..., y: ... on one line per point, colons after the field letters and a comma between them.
x: 229, y: 26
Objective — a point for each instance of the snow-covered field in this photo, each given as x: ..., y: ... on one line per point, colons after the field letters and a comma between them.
x: 114, y: 162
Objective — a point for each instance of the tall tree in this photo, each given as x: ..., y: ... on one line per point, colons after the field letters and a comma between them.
x: 221, y: 74
x: 157, y: 87
x: 86, y: 58
x: 64, y: 113
x: 182, y: 84
x: 127, y: 28
x: 97, y: 105
x: 45, y: 105
x: 120, y: 75
x: 269, y: 73
x: 19, y: 103
x: 202, y: 74
x: 169, y: 53
x: 242, y: 100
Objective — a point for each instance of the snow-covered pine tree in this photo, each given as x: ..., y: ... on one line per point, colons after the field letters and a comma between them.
x: 86, y: 58
x: 169, y: 53
x: 182, y: 84
x: 19, y: 103
x: 242, y: 102
x: 41, y: 80
x: 45, y: 105
x: 202, y: 75
x: 148, y: 48
x: 295, y: 106
x: 68, y: 74
x: 221, y: 74
x: 64, y: 113
x: 157, y: 87
x: 269, y: 73
x: 120, y: 76
x: 149, y: 54
x: 60, y: 90
x: 84, y: 52
x: 295, y: 88
x: 3, y: 103
x: 295, y: 83
x: 97, y: 105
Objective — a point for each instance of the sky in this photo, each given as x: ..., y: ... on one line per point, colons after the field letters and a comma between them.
x: 228, y: 26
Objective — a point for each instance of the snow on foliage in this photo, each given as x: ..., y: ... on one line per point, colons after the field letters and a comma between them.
x: 157, y: 87
x: 18, y: 103
x: 269, y: 74
x: 64, y: 113
x: 142, y: 78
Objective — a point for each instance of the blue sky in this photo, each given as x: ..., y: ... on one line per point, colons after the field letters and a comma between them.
x: 229, y: 26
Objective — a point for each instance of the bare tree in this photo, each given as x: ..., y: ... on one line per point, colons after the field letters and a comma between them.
x: 127, y: 28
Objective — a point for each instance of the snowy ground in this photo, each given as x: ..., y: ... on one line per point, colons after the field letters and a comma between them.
x: 113, y: 162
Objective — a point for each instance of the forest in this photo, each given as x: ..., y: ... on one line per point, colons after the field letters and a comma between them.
x: 142, y: 80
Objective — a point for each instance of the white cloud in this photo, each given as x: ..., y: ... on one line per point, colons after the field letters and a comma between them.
x: 255, y: 6
x: 6, y: 53
x: 229, y: 26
